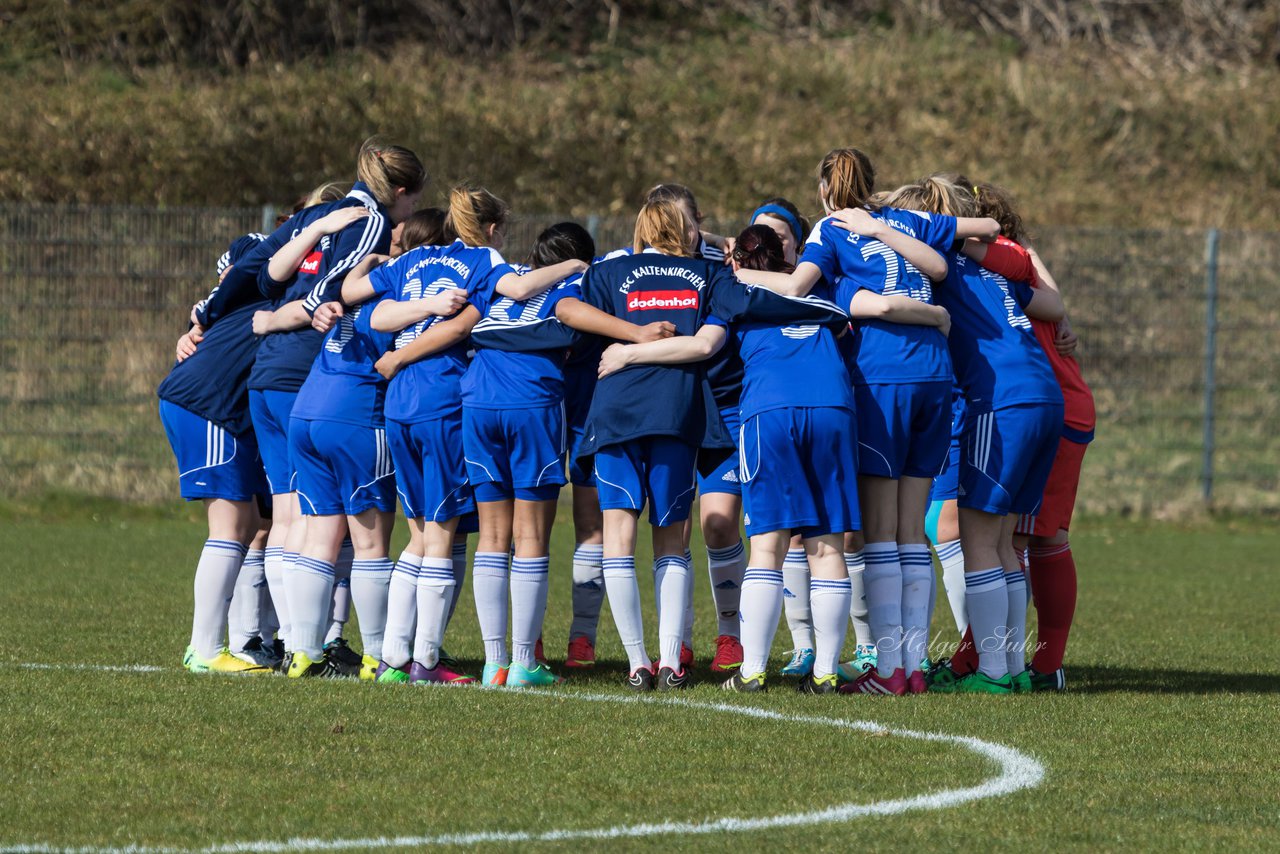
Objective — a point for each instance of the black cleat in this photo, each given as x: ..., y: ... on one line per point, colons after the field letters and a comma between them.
x: 344, y: 660
x: 641, y: 679
x: 737, y: 684
x: 828, y: 684
x: 669, y: 680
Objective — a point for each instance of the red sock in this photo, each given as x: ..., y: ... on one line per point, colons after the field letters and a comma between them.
x: 1053, y: 588
x: 965, y: 659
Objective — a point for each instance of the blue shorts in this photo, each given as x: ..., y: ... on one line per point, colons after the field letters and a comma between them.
x: 946, y: 484
x: 430, y: 473
x: 468, y: 523
x: 579, y: 384
x: 718, y: 468
x: 341, y: 468
x: 657, y: 470
x: 212, y: 463
x: 514, y: 449
x: 799, y: 471
x: 270, y: 413
x: 488, y: 491
x: 903, y: 430
x: 1006, y: 456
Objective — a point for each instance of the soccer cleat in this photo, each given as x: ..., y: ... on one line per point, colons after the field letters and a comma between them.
x: 980, y: 683
x: 438, y: 675
x: 941, y: 678
x: 537, y: 677
x: 278, y: 650
x: 223, y: 662
x: 344, y: 660
x: 686, y: 656
x: 538, y: 655
x: 1021, y: 683
x: 872, y: 682
x: 448, y: 660
x: 641, y: 679
x: 1055, y: 681
x: 368, y: 668
x: 864, y: 658
x: 255, y: 652
x: 386, y: 674
x: 810, y: 684
x: 582, y: 654
x: 302, y: 667
x: 728, y: 657
x: 916, y: 683
x: 669, y: 680
x: 494, y: 675
x: 739, y: 684
x: 801, y: 663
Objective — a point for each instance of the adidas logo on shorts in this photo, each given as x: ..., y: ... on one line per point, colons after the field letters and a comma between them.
x: 731, y: 476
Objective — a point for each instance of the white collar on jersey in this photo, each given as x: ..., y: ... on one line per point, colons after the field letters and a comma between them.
x: 365, y: 199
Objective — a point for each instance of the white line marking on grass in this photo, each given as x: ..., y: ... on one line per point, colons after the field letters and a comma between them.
x: 1018, y: 771
x: 104, y: 668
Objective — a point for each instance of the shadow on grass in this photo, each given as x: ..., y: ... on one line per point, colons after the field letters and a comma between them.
x: 1103, y: 679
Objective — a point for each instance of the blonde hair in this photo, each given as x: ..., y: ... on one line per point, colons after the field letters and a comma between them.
x: 934, y: 194
x: 471, y: 211
x: 384, y: 168
x: 665, y: 226
x: 849, y: 177
x: 330, y: 191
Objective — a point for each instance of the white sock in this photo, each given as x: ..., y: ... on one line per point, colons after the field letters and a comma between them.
x: 489, y: 585
x: 588, y: 590
x: 459, y: 558
x: 795, y: 598
x: 951, y: 556
x: 310, y: 596
x: 402, y: 611
x: 276, y: 562
x: 917, y: 572
x: 529, y: 581
x: 853, y: 562
x: 829, y: 599
x: 671, y: 588
x: 370, y: 589
x: 883, y: 582
x: 244, y: 617
x: 624, y: 601
x: 269, y: 625
x: 687, y: 629
x: 341, y: 591
x: 216, y: 574
x: 760, y: 608
x: 435, y: 589
x: 987, y: 602
x: 725, y: 567
x: 1015, y: 584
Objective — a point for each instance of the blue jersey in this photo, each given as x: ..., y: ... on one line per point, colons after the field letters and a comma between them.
x: 796, y: 365
x: 343, y: 385
x: 219, y: 302
x: 885, y: 352
x: 655, y: 400
x: 212, y: 382
x: 431, y: 388
x: 285, y: 358
x: 998, y: 361
x: 520, y: 352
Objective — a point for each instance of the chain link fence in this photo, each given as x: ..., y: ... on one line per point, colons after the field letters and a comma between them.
x: 92, y: 300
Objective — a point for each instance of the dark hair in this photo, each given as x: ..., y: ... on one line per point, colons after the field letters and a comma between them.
x: 998, y: 203
x: 424, y: 228
x: 759, y: 248
x: 563, y: 241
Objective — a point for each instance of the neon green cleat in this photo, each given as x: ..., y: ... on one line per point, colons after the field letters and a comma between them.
x: 1022, y: 683
x: 223, y: 662
x: 540, y: 676
x: 980, y: 683
x: 368, y: 668
x: 494, y: 675
x: 739, y: 684
x: 386, y: 674
x: 302, y: 667
x: 941, y: 679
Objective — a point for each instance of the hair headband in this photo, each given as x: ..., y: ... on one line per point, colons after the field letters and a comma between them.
x: 783, y: 214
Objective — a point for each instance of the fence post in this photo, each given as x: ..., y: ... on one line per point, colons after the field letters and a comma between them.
x: 268, y: 219
x: 593, y: 226
x: 1210, y: 357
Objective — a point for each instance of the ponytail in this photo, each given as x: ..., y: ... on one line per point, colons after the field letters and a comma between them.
x: 384, y: 168
x: 849, y: 177
x: 665, y: 226
x: 471, y: 211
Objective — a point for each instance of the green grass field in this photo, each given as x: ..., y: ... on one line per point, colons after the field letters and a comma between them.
x: 1166, y: 739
